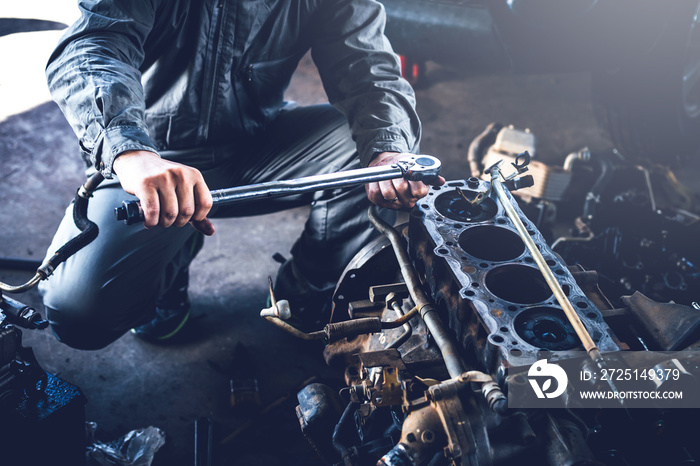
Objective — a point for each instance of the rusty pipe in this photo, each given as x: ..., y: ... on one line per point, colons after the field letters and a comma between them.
x: 403, y: 319
x: 448, y: 349
x: 319, y: 335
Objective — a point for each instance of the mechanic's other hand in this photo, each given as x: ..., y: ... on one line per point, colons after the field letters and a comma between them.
x: 170, y: 193
x: 398, y: 193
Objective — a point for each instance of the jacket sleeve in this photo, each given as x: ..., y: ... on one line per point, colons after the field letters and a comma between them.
x: 362, y: 77
x: 94, y: 77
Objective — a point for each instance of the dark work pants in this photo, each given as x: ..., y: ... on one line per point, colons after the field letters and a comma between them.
x: 112, y: 285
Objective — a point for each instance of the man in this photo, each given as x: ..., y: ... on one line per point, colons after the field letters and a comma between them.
x: 172, y: 98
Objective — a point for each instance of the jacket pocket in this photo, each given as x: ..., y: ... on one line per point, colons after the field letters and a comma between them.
x: 266, y: 81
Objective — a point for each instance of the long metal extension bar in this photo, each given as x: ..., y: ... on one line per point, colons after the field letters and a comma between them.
x: 579, y: 328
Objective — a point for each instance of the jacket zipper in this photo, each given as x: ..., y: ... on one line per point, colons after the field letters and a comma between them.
x: 210, y: 78
x: 235, y: 83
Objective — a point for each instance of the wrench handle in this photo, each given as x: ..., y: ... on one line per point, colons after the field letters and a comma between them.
x: 414, y: 168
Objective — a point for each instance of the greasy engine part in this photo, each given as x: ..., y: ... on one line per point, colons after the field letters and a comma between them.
x: 498, y: 187
x: 461, y: 260
x: 636, y: 239
x: 484, y: 281
x: 36, y: 408
x: 635, y: 225
x: 551, y: 183
x: 402, y: 406
x: 398, y: 379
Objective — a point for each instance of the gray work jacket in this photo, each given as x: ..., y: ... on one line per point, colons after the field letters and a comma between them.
x: 174, y: 74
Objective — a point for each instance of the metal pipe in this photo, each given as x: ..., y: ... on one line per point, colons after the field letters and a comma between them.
x: 444, y: 342
x: 21, y: 288
x: 549, y: 277
x: 403, y: 318
x: 319, y: 335
x: 407, y: 329
x: 647, y: 181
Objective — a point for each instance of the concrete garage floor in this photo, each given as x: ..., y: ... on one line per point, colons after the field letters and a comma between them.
x: 132, y: 384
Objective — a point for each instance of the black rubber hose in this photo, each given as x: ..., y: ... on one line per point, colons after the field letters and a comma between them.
x: 88, y: 229
x: 340, y: 432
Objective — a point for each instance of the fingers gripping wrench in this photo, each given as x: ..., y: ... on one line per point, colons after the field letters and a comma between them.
x: 413, y: 168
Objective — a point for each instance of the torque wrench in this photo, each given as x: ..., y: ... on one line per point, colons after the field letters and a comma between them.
x: 413, y: 168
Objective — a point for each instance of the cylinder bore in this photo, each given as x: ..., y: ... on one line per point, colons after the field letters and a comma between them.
x: 546, y: 328
x: 491, y: 243
x: 455, y: 206
x: 518, y: 284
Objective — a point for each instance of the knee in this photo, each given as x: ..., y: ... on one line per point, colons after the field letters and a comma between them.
x: 79, y: 334
x: 80, y: 319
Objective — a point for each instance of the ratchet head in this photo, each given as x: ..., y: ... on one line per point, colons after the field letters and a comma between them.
x: 425, y: 168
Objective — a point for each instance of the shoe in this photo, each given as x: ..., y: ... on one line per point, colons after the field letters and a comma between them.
x: 173, y: 308
x: 165, y: 325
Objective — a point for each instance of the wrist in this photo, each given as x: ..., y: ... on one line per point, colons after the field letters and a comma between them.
x: 129, y: 156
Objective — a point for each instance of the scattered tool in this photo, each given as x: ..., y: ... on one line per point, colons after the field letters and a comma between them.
x: 413, y: 168
x: 246, y: 425
x: 245, y: 394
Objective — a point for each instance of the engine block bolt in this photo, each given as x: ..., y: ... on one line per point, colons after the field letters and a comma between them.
x: 473, y: 183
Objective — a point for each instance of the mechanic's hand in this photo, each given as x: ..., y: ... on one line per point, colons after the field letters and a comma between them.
x: 398, y: 193
x: 170, y: 193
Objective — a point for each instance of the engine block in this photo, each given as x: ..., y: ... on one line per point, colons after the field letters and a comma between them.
x: 486, y: 283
